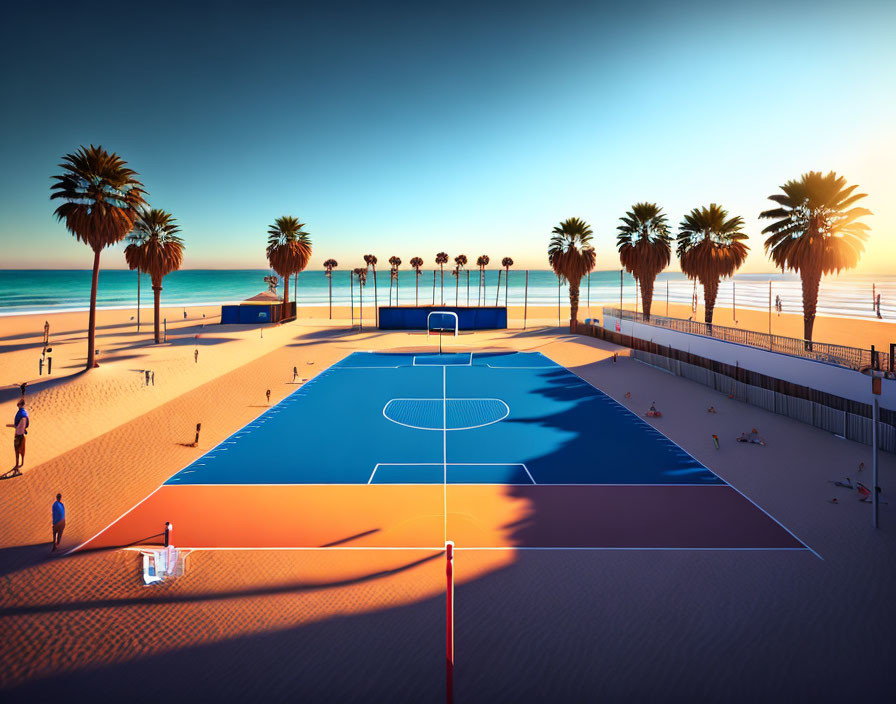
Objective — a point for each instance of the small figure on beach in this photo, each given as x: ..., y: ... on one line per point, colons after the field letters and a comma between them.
x: 46, y: 333
x: 753, y: 437
x: 778, y: 305
x: 21, y: 423
x: 152, y: 376
x: 58, y: 521
x: 185, y: 313
x: 196, y: 355
x: 22, y: 387
x: 653, y: 413
x: 711, y: 409
x: 628, y: 394
x: 877, y: 305
x: 861, y: 466
x: 615, y: 357
x: 295, y: 374
x: 146, y: 373
x: 268, y: 394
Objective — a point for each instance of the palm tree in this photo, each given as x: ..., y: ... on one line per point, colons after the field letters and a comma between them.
x: 159, y: 252
x: 394, y: 262
x: 361, y: 273
x: 816, y: 231
x: 101, y: 200
x: 134, y: 239
x: 571, y: 257
x: 710, y: 246
x: 460, y: 262
x: 289, y: 249
x: 506, y: 262
x: 441, y: 260
x: 417, y: 262
x: 643, y: 243
x: 370, y: 261
x: 481, y: 262
x: 329, y: 265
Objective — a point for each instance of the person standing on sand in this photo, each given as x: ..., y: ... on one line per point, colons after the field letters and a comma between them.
x: 46, y: 333
x: 58, y: 521
x: 196, y: 355
x: 268, y: 394
x: 877, y: 306
x: 295, y: 374
x: 21, y: 423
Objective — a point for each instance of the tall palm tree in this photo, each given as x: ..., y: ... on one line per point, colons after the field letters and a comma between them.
x: 417, y: 262
x: 506, y: 262
x: 394, y: 262
x: 459, y: 262
x: 572, y: 256
x: 329, y: 265
x: 361, y: 273
x: 288, y: 250
x: 159, y: 252
x: 441, y: 260
x: 710, y: 246
x: 481, y: 262
x: 370, y: 261
x: 816, y: 231
x: 644, y: 247
x: 101, y: 199
x: 134, y: 239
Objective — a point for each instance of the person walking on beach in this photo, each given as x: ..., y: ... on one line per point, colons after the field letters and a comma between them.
x: 295, y: 374
x: 268, y: 394
x: 196, y: 355
x: 877, y: 305
x: 58, y: 521
x: 21, y: 423
x: 46, y: 333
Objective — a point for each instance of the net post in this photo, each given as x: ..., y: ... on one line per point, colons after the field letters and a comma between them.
x: 449, y: 622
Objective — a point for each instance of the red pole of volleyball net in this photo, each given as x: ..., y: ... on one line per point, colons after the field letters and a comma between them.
x: 449, y: 622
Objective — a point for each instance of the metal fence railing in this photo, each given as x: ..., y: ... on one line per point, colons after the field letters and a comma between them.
x: 841, y: 355
x: 842, y: 422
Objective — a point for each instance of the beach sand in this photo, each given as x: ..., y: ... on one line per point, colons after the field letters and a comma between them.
x: 352, y: 625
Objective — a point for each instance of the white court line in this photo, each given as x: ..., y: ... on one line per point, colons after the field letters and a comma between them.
x: 635, y: 415
x: 449, y: 464
x: 521, y: 548
x: 452, y: 364
x: 442, y: 400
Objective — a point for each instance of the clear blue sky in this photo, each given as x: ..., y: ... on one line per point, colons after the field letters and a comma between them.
x: 405, y: 128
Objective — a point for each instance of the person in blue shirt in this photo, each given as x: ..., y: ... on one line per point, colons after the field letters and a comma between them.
x: 58, y: 521
x: 21, y: 423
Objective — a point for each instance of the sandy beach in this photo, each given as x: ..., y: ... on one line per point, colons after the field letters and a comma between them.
x: 530, y: 626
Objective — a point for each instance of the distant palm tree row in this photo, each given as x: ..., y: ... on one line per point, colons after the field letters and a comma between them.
x: 816, y: 230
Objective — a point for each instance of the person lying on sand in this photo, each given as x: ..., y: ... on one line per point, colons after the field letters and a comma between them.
x: 653, y: 413
x: 753, y: 437
x: 628, y: 394
x: 711, y: 409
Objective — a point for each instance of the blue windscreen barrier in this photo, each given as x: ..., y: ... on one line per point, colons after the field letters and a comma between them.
x: 492, y: 318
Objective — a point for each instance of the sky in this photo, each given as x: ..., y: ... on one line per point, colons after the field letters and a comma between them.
x: 409, y: 128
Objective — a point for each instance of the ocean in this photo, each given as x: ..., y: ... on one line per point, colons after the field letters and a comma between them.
x: 46, y: 291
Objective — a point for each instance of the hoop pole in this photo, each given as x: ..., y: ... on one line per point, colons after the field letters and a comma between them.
x: 875, y: 434
x: 449, y: 622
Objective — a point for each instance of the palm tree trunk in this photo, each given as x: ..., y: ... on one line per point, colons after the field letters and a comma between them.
x: 506, y: 281
x: 417, y: 289
x: 811, y: 278
x: 330, y: 280
x: 396, y: 290
x: 442, y: 284
x: 390, y: 291
x: 468, y: 288
x: 710, y: 291
x: 157, y: 308
x: 284, y: 309
x: 138, y: 300
x: 456, y: 287
x: 498, y: 290
x: 91, y: 321
x: 573, y: 304
x: 360, y: 306
x: 646, y: 296
x: 479, y: 297
x: 433, y: 286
